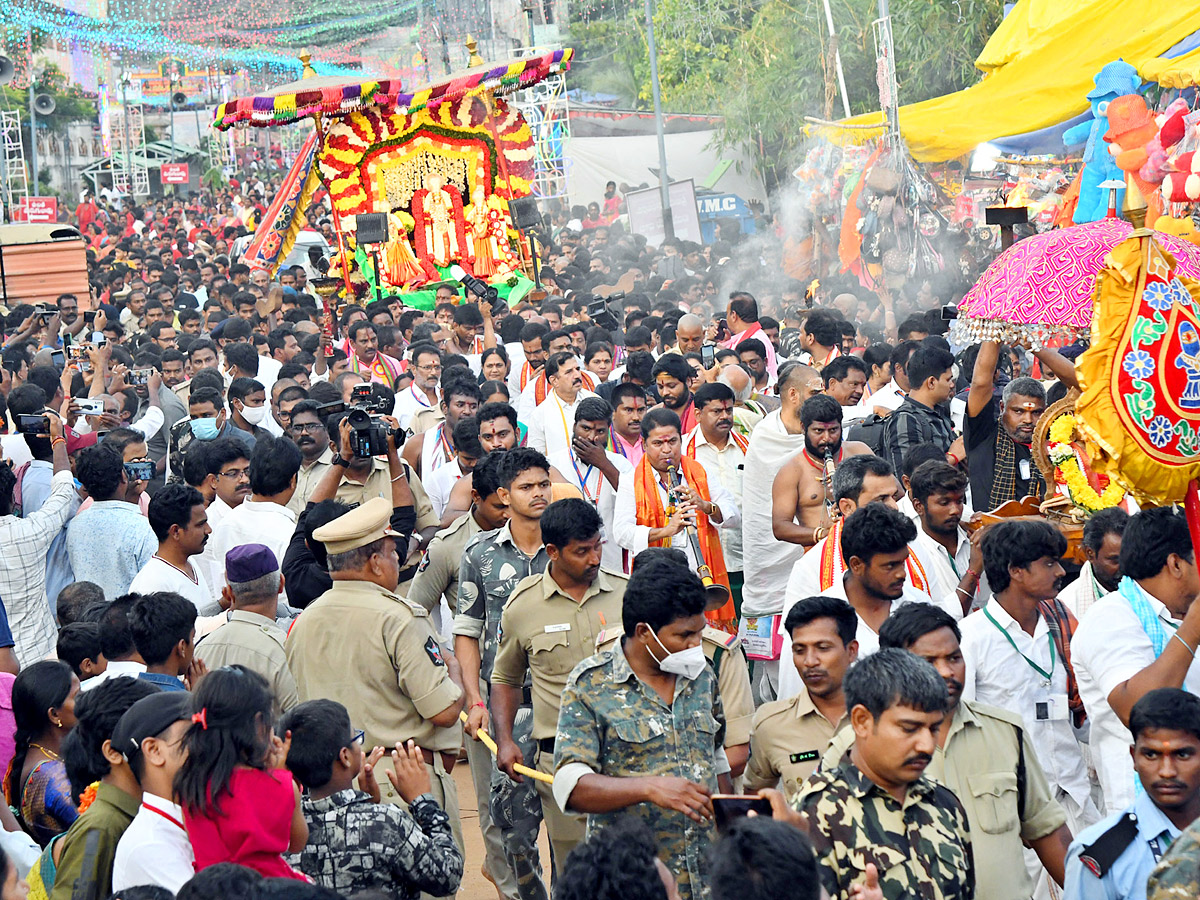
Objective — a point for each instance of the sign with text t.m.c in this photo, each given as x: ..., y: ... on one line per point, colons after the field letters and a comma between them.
x: 174, y: 173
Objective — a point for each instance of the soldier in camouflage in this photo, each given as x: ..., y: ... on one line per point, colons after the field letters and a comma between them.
x: 641, y: 727
x: 1177, y: 875
x: 494, y: 563
x: 876, y: 810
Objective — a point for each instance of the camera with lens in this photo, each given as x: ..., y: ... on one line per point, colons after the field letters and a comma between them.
x: 599, y: 312
x: 368, y: 432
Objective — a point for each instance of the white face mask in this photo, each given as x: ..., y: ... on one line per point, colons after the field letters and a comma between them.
x: 254, y: 414
x: 688, y: 663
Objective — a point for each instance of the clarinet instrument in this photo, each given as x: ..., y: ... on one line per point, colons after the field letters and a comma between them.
x: 711, y: 585
x: 830, y: 505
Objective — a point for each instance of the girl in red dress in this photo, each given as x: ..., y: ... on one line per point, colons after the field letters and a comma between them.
x: 240, y: 805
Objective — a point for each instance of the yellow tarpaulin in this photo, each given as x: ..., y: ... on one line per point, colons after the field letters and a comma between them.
x: 1028, y: 89
x: 1180, y: 72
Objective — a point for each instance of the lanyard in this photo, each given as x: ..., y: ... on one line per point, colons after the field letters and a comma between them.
x: 166, y: 815
x: 1049, y: 640
x: 443, y: 445
x: 562, y: 414
x: 583, y: 480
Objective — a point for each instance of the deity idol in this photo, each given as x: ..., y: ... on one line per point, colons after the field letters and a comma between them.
x: 488, y: 221
x: 439, y: 233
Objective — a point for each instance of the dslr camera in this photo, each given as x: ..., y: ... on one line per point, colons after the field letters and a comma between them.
x: 368, y: 432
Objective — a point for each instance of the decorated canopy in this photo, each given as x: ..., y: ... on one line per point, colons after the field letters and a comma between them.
x: 1140, y: 408
x: 309, y: 96
x: 1042, y: 285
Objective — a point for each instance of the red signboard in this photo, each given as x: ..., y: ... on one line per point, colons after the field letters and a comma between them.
x: 175, y: 173
x: 40, y: 209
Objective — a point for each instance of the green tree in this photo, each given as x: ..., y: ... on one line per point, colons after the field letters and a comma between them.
x: 765, y: 64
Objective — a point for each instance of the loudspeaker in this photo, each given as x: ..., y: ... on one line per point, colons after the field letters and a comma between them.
x: 372, y: 228
x: 179, y: 98
x: 43, y: 104
x: 525, y: 212
x: 6, y: 70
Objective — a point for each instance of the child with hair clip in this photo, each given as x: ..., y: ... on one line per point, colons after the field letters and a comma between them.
x: 240, y: 804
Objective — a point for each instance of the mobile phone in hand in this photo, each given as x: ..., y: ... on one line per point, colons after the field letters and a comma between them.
x: 728, y: 808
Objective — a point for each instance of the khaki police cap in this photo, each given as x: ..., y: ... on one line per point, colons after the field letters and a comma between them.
x: 357, y: 528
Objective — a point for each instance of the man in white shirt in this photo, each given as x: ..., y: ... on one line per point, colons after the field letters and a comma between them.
x: 874, y: 540
x: 538, y: 390
x: 467, y: 452
x: 1016, y: 659
x: 262, y: 518
x: 422, y: 394
x: 664, y: 448
x: 1101, y: 573
x: 551, y: 424
x: 857, y: 481
x: 180, y: 522
x: 951, y: 559
x: 891, y: 395
x: 1140, y: 637
x: 154, y: 849
x: 431, y: 450
x: 721, y: 450
x: 597, y: 472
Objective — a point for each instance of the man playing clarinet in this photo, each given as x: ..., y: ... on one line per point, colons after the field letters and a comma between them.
x: 673, y: 501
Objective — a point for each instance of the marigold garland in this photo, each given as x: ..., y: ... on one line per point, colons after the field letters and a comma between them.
x: 1080, y: 490
x: 88, y: 797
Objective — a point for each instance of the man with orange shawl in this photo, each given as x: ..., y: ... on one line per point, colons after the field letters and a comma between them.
x: 642, y: 517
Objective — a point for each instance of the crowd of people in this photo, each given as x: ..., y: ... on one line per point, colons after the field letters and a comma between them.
x: 272, y: 572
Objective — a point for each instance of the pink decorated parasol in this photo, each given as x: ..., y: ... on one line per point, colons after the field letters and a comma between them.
x: 1041, y: 287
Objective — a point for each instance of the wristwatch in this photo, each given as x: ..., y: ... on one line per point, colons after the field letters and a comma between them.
x: 339, y: 460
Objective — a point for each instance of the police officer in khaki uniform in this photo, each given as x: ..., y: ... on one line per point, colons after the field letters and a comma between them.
x: 437, y: 578
x: 250, y: 637
x: 375, y: 652
x: 552, y: 622
x: 790, y: 735
x: 366, y: 477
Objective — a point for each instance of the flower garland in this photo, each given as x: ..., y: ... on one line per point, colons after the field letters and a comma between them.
x: 88, y: 797
x: 1080, y: 490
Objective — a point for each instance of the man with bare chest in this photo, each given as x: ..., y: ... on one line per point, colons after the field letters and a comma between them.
x: 801, y: 498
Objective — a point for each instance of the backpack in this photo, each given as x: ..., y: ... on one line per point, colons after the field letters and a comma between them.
x: 872, y: 431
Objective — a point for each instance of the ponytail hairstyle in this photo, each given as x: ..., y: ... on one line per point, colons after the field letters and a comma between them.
x: 231, y: 727
x: 39, y: 688
x: 97, y: 712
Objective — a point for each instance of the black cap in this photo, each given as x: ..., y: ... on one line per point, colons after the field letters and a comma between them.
x: 148, y: 718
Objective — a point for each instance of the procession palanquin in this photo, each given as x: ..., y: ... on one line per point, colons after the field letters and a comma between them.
x: 441, y: 163
x: 423, y: 164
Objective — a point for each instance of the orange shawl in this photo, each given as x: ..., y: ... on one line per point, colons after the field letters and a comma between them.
x: 541, y: 388
x: 650, y: 512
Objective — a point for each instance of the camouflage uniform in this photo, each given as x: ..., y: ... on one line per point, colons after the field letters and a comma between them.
x: 357, y: 845
x: 491, y: 568
x: 612, y: 724
x: 920, y: 847
x: 1177, y: 875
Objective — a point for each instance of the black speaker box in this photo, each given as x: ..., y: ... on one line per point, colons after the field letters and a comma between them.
x: 525, y: 212
x: 372, y: 228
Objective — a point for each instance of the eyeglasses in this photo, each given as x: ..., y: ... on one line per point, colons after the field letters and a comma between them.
x: 430, y: 369
x: 358, y: 736
x: 304, y: 427
x: 236, y: 473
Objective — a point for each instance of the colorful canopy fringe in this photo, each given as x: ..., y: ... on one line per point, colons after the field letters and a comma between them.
x: 300, y: 99
x: 277, y: 232
x: 512, y: 76
x: 1042, y: 285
